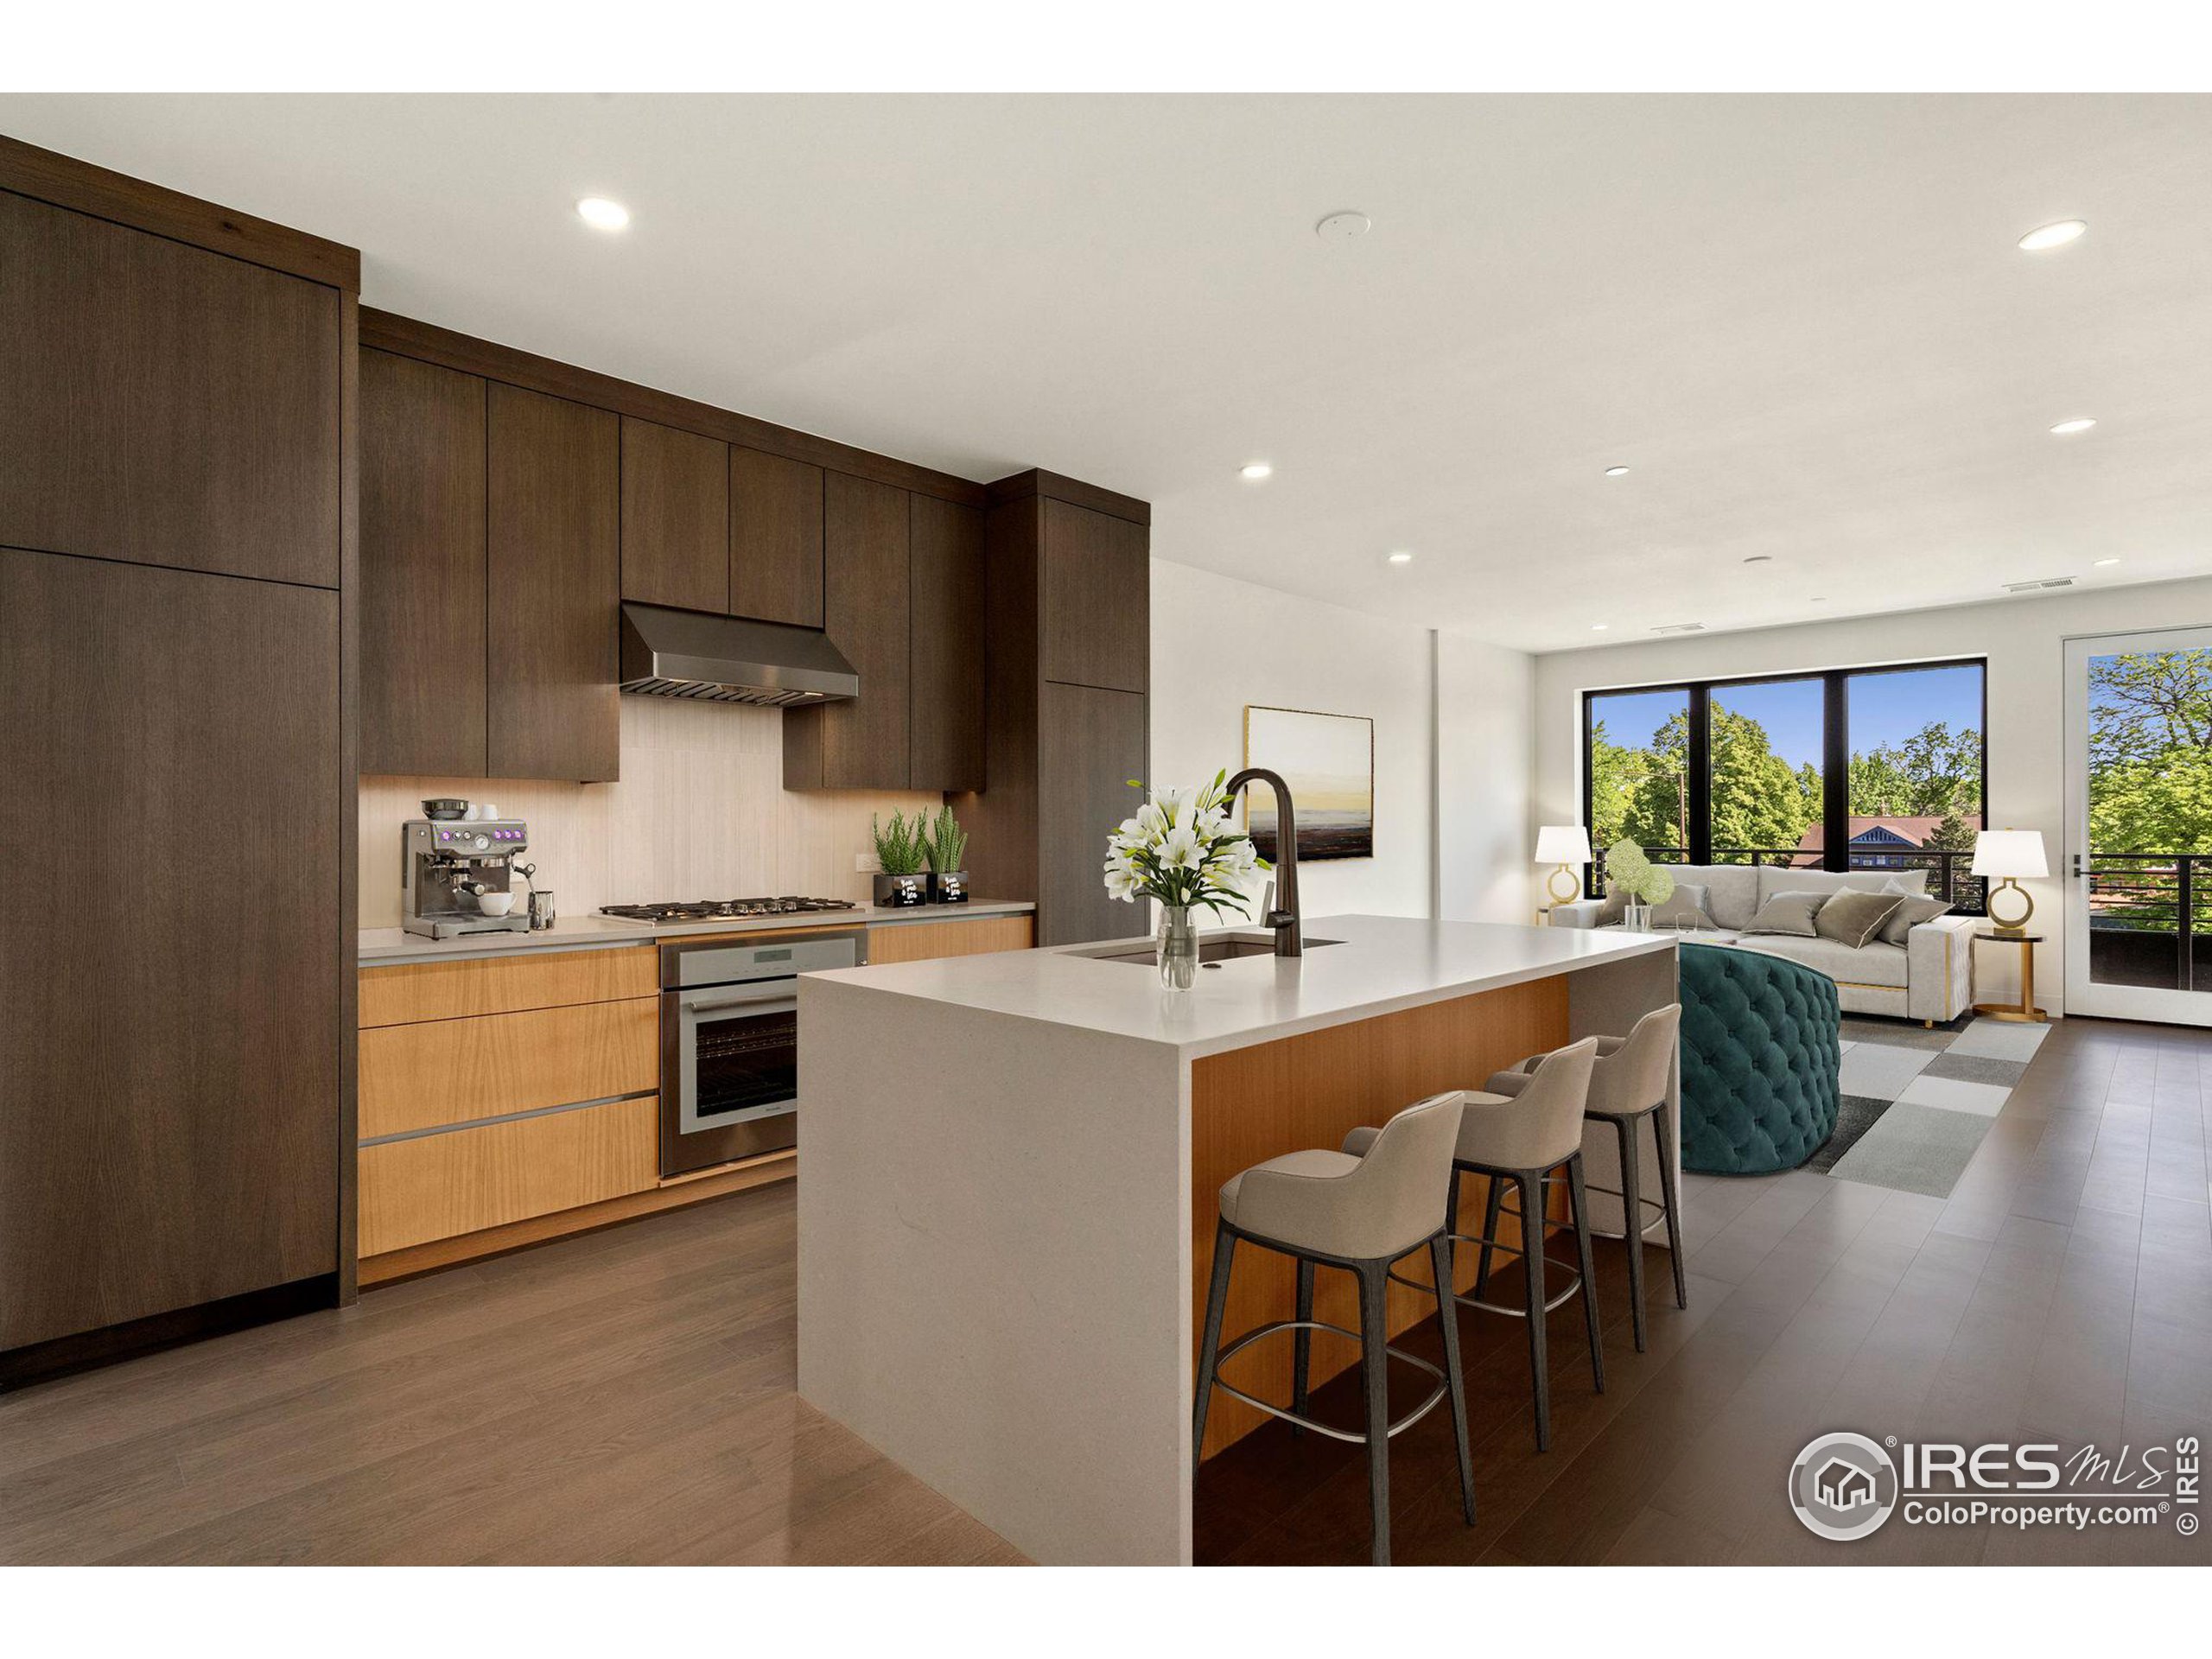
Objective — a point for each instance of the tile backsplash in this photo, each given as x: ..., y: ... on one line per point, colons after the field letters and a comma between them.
x: 700, y: 812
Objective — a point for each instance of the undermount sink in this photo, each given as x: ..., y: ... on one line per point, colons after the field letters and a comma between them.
x: 1210, y: 951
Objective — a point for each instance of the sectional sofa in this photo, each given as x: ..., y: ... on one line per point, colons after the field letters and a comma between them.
x: 1927, y: 978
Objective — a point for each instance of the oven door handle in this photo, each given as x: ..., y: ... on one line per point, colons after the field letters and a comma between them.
x: 759, y: 1004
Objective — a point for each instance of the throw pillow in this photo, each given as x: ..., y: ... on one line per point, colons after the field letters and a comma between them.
x: 1788, y: 913
x: 1910, y: 913
x: 1616, y: 906
x: 1685, y: 909
x: 1851, y: 917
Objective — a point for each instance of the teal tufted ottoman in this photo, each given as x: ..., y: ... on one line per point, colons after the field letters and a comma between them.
x: 1759, y: 1061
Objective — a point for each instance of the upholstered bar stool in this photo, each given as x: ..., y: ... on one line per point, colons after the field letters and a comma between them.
x: 1360, y: 1213
x: 1526, y: 1128
x: 1628, y: 1084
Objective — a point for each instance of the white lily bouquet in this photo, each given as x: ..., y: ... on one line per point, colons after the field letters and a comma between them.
x: 1181, y: 849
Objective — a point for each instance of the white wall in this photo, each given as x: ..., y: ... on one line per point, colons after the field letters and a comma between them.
x: 2024, y: 640
x: 1452, y: 734
x: 1218, y: 644
x: 1485, y: 704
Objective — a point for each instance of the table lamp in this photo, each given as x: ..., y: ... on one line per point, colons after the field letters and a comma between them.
x: 1566, y: 845
x: 2009, y: 855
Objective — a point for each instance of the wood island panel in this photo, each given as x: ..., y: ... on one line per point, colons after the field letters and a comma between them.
x: 1252, y: 1105
x: 406, y: 992
x: 458, y: 1070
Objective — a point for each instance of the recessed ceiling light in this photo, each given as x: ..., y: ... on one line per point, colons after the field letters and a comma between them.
x: 1818, y: 598
x: 2067, y: 428
x: 601, y: 214
x: 2054, y: 236
x: 1402, y: 558
x: 1760, y: 558
x: 2102, y: 563
x: 1344, y: 227
x: 1600, y: 628
x: 1255, y: 469
x: 1616, y: 472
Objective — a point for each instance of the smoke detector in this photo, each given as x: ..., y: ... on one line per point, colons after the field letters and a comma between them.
x: 1344, y: 227
x: 2037, y: 586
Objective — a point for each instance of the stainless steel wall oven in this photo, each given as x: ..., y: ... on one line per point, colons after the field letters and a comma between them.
x: 729, y: 1041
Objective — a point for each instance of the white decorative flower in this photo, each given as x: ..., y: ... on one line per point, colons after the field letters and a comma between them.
x: 1179, y: 848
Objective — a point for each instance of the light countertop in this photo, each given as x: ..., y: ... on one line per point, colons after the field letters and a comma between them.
x: 1380, y: 964
x: 379, y: 945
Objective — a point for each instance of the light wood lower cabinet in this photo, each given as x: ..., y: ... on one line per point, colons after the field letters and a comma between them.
x: 406, y: 992
x: 463, y: 1180
x: 446, y: 1071
x: 925, y: 941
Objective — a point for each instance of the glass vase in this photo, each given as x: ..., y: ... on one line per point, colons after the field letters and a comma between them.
x: 1176, y: 948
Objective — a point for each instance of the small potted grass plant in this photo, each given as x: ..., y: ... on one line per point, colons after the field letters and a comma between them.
x: 1645, y: 883
x: 946, y: 850
x: 900, y: 855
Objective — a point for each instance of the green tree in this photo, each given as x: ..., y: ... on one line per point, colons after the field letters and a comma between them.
x: 1759, y: 802
x: 1937, y: 770
x: 2150, y: 752
x: 1636, y: 794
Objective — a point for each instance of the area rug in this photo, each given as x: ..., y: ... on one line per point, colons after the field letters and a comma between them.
x: 1917, y: 1102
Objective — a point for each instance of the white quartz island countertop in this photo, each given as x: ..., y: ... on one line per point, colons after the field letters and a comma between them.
x: 1009, y: 1175
x: 1373, y: 965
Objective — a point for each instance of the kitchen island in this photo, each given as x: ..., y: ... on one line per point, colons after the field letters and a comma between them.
x: 1007, y: 1220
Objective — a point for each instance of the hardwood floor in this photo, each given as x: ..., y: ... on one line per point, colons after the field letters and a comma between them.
x: 627, y: 1396
x: 622, y: 1397
x: 2063, y: 1292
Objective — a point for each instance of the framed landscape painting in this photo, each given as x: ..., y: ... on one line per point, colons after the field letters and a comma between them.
x: 1328, y: 760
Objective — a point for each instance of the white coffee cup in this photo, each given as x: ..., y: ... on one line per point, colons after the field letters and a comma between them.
x: 495, y: 904
x: 489, y: 811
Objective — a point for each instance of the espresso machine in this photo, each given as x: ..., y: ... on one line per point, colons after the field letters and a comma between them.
x: 446, y: 864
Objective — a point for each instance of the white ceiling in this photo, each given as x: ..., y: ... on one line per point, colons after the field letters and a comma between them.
x: 1803, y: 322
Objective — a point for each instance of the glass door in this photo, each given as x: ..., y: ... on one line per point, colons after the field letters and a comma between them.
x: 2138, y: 833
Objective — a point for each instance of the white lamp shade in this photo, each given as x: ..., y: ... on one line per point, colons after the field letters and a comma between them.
x: 1562, y: 843
x: 2009, y: 852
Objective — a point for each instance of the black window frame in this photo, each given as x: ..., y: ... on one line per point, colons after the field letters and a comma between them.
x: 1835, y: 755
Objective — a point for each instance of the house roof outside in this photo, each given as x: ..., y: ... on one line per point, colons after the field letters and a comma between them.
x: 1885, y: 830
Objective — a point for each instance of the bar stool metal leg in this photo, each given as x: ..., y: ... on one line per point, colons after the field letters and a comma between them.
x: 1224, y: 1251
x: 1374, y: 1389
x: 1447, y: 1321
x: 1632, y: 1223
x: 1491, y: 1213
x: 1581, y: 1197
x: 1302, y: 1347
x: 1532, y: 1258
x: 1670, y: 1189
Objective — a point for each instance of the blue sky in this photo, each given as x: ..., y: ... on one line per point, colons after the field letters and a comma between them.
x: 1886, y: 709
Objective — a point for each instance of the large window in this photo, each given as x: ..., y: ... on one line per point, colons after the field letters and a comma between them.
x: 1846, y: 769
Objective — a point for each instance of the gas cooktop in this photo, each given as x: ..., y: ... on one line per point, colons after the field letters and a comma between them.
x: 718, y: 910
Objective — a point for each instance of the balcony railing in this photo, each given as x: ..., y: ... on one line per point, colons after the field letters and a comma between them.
x: 1950, y: 875
x: 2151, y: 919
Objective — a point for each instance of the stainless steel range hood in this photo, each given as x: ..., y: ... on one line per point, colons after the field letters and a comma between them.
x: 672, y: 653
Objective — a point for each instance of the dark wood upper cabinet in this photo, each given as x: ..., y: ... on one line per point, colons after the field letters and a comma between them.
x: 423, y: 570
x: 1097, y: 624
x: 945, y: 645
x: 1090, y: 743
x: 775, y: 538
x: 171, y: 1058
x: 164, y: 404
x: 860, y: 744
x: 554, y: 582
x: 675, y: 524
